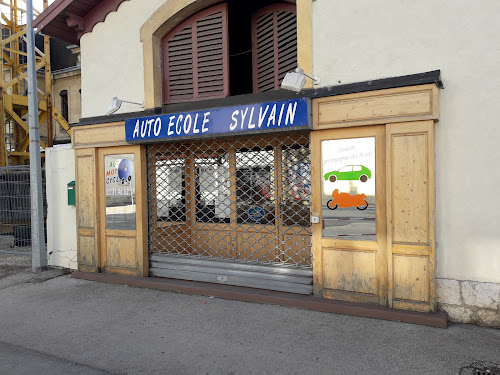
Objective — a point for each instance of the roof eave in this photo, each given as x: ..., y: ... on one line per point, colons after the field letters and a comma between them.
x: 74, y: 25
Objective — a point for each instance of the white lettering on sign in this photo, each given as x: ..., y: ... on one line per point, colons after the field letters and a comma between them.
x: 262, y: 116
x: 177, y: 126
x: 157, y: 127
x: 136, y: 130
x: 170, y: 124
x: 272, y: 116
x: 291, y: 112
x: 243, y: 115
x: 234, y: 124
x: 250, y: 125
x: 204, y: 129
x: 144, y: 128
x: 281, y: 114
x: 195, y: 129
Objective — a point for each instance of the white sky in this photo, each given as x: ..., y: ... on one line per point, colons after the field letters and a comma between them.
x: 37, y: 4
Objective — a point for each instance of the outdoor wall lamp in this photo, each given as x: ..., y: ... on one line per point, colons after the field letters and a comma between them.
x: 295, y: 81
x: 116, y: 103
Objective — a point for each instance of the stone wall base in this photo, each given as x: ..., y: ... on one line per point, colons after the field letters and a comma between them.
x: 470, y: 301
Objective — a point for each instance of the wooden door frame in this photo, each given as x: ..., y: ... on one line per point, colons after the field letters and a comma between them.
x: 410, y: 283
x: 140, y: 233
x: 405, y: 111
x: 379, y: 246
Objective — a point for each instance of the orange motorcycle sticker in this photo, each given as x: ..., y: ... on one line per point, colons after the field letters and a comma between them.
x: 347, y: 200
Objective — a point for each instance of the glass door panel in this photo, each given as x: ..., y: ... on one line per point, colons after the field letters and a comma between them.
x: 120, y: 191
x: 348, y: 189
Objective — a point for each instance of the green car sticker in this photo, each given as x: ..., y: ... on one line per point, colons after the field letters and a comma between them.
x: 350, y: 172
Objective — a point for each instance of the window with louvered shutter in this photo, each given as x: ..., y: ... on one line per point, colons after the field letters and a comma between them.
x: 196, y: 58
x: 274, y: 45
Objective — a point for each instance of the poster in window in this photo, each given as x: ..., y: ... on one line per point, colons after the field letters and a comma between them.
x: 120, y: 192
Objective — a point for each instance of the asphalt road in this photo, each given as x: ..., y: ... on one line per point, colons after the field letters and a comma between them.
x: 18, y: 360
x: 66, y: 325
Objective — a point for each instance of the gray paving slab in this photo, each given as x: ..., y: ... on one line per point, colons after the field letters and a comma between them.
x: 18, y: 360
x: 25, y: 275
x: 126, y: 330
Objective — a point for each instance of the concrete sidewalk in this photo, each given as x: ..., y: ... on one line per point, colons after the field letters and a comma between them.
x: 18, y: 360
x: 123, y: 330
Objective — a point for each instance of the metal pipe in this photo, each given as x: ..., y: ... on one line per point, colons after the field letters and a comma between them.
x: 38, y: 252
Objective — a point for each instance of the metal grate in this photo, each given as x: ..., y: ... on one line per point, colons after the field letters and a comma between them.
x: 483, y: 371
x: 244, y: 199
x: 15, y: 206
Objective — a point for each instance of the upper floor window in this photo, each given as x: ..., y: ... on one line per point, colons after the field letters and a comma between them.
x: 64, y: 104
x: 196, y: 57
x: 274, y: 50
x: 231, y: 48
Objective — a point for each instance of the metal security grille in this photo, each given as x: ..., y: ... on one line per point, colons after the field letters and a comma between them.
x: 487, y: 371
x: 15, y: 206
x: 242, y: 200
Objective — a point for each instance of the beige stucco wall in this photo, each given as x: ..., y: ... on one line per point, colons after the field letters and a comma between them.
x: 112, y: 59
x: 364, y: 39
x: 71, y: 82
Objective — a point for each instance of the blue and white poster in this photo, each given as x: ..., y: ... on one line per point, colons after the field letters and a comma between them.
x: 227, y: 120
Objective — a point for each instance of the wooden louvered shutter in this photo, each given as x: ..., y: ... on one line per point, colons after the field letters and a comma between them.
x: 274, y: 45
x: 196, y: 58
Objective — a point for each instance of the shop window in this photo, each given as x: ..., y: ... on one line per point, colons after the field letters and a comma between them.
x: 255, y: 187
x: 64, y: 104
x: 241, y: 198
x: 213, y: 196
x: 171, y: 192
x: 232, y: 48
x: 348, y: 189
x: 296, y: 199
x: 120, y: 191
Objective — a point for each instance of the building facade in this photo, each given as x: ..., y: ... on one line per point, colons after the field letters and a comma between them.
x: 372, y: 185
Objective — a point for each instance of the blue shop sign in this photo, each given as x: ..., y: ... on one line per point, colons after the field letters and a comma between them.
x: 227, y: 120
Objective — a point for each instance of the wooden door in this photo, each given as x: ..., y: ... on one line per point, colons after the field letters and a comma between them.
x: 348, y: 188
x: 410, y: 213
x: 86, y: 210
x: 123, y: 246
x: 389, y: 259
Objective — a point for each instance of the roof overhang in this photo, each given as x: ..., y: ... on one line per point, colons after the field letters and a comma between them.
x: 68, y: 20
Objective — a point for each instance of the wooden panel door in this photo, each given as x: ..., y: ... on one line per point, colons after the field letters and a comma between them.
x: 122, y: 210
x: 410, y: 211
x: 86, y: 209
x: 349, y: 242
x: 396, y: 266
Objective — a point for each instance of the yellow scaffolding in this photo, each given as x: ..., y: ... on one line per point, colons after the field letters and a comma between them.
x: 14, y: 130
